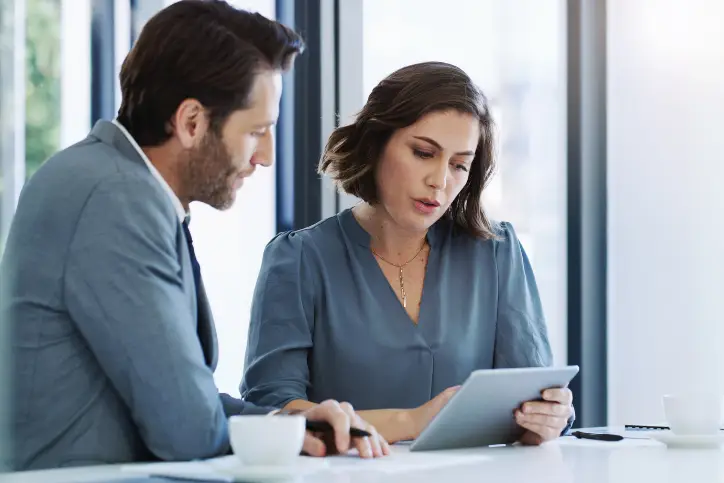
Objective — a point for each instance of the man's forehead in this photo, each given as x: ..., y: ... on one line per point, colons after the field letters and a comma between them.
x: 263, y: 108
x: 267, y: 86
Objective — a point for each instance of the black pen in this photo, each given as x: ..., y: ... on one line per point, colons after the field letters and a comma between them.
x: 325, y: 427
x: 597, y: 436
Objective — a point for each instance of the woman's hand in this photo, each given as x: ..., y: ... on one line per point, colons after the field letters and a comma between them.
x: 421, y: 416
x: 342, y: 416
x: 545, y: 420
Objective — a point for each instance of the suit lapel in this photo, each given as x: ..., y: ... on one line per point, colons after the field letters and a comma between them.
x: 207, y: 330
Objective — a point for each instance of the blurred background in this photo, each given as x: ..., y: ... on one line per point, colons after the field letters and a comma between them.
x: 610, y: 159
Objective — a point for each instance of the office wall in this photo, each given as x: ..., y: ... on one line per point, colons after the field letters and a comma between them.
x: 666, y: 202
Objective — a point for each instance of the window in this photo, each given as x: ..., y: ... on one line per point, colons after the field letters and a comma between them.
x: 43, y: 44
x: 46, y: 63
x: 12, y: 35
x: 515, y: 51
x: 57, y: 77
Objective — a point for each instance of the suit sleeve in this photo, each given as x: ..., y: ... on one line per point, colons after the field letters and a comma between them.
x: 281, y: 326
x: 234, y: 406
x: 123, y: 288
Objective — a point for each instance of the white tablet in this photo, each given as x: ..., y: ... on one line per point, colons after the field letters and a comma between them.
x: 481, y: 412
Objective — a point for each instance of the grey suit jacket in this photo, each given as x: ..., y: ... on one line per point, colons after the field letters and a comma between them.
x: 97, y: 288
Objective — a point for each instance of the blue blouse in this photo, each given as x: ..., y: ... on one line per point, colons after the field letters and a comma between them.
x: 325, y: 322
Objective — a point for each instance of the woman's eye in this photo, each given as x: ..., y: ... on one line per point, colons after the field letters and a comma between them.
x: 422, y: 154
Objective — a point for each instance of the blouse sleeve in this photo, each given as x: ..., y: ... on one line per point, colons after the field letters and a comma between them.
x: 521, y: 338
x: 281, y: 326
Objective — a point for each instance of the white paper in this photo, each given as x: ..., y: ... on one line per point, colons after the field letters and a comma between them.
x: 195, y: 470
x: 402, y: 460
x: 226, y: 468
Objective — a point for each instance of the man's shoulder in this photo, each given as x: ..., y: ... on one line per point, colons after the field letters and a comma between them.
x: 92, y: 161
x: 70, y: 178
x: 87, y: 185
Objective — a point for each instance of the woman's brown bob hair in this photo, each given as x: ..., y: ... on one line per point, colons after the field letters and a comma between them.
x: 353, y: 151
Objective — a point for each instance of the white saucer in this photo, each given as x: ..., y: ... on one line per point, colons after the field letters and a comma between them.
x: 699, y: 441
x: 232, y: 467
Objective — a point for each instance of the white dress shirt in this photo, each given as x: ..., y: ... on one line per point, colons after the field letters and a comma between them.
x: 182, y: 215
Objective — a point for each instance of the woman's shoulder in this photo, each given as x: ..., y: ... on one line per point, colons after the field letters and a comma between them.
x: 503, y: 236
x: 505, y: 233
x: 315, y: 236
x: 318, y: 248
x: 503, y: 250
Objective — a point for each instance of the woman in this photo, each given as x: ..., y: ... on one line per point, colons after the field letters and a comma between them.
x: 391, y: 304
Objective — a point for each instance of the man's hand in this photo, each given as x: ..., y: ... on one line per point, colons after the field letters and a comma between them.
x: 545, y: 420
x: 342, y: 416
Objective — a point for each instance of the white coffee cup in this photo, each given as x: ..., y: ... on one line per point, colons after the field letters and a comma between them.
x: 693, y: 414
x: 267, y: 440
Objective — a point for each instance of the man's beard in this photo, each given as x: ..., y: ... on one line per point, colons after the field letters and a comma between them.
x: 208, y: 173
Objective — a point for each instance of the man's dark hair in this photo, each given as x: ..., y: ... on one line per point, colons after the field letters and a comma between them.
x: 353, y: 151
x: 198, y: 49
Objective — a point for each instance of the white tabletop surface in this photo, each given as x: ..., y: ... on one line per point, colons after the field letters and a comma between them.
x: 562, y: 461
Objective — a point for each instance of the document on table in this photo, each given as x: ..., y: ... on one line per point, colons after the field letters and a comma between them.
x: 192, y: 470
x: 229, y: 468
x: 402, y: 460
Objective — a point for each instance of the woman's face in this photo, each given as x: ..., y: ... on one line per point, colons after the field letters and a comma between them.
x: 425, y: 166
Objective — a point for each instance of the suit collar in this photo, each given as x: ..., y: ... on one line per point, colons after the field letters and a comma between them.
x: 114, y: 134
x: 109, y: 134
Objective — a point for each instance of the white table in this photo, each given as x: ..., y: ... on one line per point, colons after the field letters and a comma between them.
x: 563, y: 461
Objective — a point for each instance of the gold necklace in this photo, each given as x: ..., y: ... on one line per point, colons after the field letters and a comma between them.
x: 400, y: 267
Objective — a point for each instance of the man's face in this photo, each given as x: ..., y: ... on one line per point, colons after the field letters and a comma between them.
x: 215, y: 168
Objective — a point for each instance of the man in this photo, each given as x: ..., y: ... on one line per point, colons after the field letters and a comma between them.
x: 113, y: 342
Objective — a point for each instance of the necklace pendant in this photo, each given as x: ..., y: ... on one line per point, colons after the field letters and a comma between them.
x: 404, y: 301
